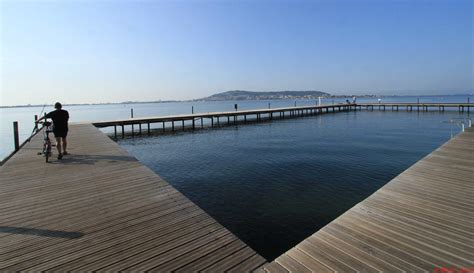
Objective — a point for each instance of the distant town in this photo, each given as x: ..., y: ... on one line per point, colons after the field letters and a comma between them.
x: 272, y: 95
x: 246, y: 95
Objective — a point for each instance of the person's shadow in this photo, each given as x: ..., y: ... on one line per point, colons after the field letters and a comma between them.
x: 41, y: 232
x: 77, y: 159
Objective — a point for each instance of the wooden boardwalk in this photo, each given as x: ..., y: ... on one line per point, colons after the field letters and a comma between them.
x: 216, y: 119
x: 395, y: 106
x: 423, y: 220
x: 100, y: 209
x: 194, y: 121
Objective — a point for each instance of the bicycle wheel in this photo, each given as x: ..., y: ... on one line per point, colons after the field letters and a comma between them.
x: 48, y: 151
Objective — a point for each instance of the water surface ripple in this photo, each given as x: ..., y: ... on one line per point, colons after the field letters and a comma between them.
x: 273, y: 184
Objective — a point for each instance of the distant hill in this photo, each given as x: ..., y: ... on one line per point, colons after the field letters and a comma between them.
x: 267, y: 95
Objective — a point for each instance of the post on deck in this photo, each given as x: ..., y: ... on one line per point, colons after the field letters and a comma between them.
x: 36, y: 124
x: 16, y: 138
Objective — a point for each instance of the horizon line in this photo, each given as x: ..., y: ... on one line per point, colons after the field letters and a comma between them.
x: 202, y: 99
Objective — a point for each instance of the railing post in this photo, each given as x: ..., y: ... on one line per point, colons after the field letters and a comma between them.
x: 131, y: 115
x: 36, y: 124
x: 15, y: 135
x: 192, y: 109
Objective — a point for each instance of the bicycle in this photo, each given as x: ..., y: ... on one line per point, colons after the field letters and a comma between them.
x: 47, y: 128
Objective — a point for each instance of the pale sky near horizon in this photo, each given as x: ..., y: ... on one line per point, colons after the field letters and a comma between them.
x: 111, y: 51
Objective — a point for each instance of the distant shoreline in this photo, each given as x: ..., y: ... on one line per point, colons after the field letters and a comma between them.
x: 203, y: 100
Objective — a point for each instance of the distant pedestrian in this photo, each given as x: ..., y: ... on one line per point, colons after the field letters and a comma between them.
x: 348, y: 102
x: 354, y: 100
x: 60, y: 119
x: 380, y: 100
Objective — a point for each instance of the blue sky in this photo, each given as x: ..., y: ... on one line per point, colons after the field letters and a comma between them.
x: 111, y: 51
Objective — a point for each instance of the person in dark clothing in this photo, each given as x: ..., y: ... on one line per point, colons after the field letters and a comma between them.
x: 60, y: 119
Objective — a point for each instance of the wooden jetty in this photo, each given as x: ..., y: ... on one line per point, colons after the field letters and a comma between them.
x: 215, y: 118
x: 395, y: 106
x: 99, y: 209
x: 421, y: 221
x: 195, y: 121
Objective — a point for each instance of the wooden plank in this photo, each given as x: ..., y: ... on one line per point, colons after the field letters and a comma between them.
x: 318, y: 254
x: 340, y: 255
x: 275, y: 268
x: 416, y: 233
x: 307, y: 261
x: 291, y: 264
x: 195, y: 254
x: 357, y: 253
x: 148, y: 262
x: 249, y: 265
x: 230, y: 261
x: 213, y: 257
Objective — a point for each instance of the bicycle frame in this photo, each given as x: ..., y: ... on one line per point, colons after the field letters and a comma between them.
x: 47, y: 128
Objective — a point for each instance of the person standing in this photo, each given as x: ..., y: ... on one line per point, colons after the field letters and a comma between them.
x: 60, y: 119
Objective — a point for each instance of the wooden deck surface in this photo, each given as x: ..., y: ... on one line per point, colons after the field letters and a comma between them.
x: 143, y: 120
x: 100, y: 209
x: 423, y: 220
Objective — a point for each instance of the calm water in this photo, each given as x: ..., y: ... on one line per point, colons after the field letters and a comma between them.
x: 273, y: 184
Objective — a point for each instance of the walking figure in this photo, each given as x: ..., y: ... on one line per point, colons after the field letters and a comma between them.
x: 60, y: 119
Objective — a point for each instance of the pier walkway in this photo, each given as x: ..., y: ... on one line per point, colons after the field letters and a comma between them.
x: 101, y: 209
x: 217, y: 119
x: 396, y: 106
x: 422, y: 220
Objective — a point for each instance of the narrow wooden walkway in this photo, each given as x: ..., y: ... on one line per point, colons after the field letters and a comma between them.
x: 232, y: 117
x: 100, y: 209
x: 423, y: 220
x: 395, y: 106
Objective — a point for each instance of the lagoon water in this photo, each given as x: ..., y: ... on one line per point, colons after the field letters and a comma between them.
x: 274, y: 183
